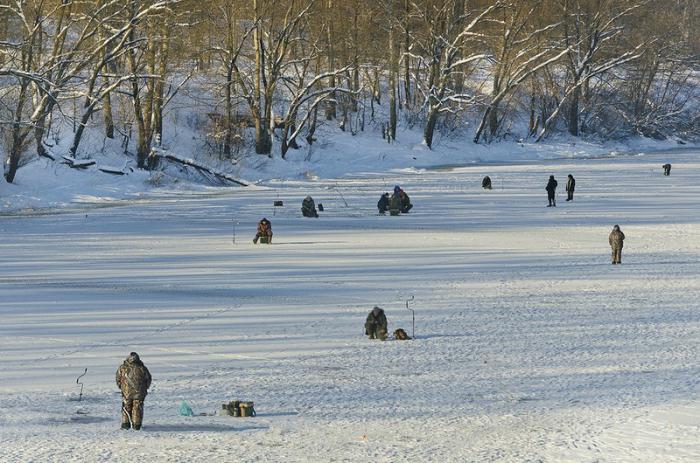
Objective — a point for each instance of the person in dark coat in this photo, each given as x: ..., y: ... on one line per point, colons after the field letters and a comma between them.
x: 551, y: 191
x: 133, y: 379
x: 667, y: 169
x: 616, y: 240
x: 486, y: 183
x: 264, y: 231
x: 570, y: 187
x: 383, y: 203
x: 376, y: 324
x: 308, y: 207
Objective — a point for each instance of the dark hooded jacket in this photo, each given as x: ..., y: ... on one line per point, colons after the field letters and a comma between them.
x: 377, y: 320
x: 551, y: 185
x: 405, y: 202
x: 308, y: 207
x: 383, y: 203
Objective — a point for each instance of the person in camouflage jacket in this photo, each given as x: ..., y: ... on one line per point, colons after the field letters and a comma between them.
x: 264, y: 230
x: 376, y: 324
x: 616, y: 239
x: 133, y: 379
x: 395, y: 202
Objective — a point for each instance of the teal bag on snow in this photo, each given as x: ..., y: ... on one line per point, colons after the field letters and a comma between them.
x: 185, y: 410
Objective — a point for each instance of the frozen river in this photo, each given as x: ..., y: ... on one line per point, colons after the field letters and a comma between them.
x: 530, y: 345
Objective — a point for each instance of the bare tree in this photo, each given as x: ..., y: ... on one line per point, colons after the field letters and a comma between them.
x: 448, y: 45
x: 518, y: 53
x: 590, y: 29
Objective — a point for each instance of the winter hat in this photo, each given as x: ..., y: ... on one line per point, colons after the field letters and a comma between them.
x: 397, y: 189
x: 133, y: 357
x: 616, y: 227
x: 376, y: 310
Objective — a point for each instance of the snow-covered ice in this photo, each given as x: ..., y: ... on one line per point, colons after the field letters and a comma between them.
x: 530, y: 345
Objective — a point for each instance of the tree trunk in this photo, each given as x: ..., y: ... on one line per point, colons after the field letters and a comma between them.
x: 430, y: 126
x: 573, y: 119
x: 355, y: 64
x: 107, y: 109
x: 331, y: 111
x: 312, y: 127
x: 80, y: 129
x: 406, y: 59
x: 159, y: 84
x: 18, y: 135
x: 393, y: 75
x: 263, y: 140
x: 142, y: 145
x: 228, y: 130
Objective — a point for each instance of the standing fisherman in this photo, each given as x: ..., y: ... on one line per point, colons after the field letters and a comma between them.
x: 551, y: 191
x: 133, y: 379
x: 570, y: 187
x: 616, y: 239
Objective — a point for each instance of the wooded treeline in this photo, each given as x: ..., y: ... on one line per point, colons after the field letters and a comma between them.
x: 275, y: 68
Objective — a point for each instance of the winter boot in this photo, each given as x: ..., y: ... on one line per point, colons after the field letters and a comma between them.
x: 126, y: 425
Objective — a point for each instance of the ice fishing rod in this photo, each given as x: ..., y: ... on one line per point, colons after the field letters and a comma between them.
x: 77, y: 381
x: 341, y: 194
x: 413, y: 313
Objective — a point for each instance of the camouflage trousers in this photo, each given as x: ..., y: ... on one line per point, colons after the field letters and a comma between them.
x: 375, y: 331
x: 616, y: 255
x: 132, y: 412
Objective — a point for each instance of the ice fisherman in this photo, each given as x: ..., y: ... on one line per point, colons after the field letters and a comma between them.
x: 133, y: 379
x: 395, y: 201
x: 551, y: 191
x: 383, y: 203
x: 405, y: 202
x: 616, y: 239
x: 376, y: 324
x: 264, y: 233
x: 308, y: 207
x: 570, y: 187
x: 667, y: 169
x: 486, y: 183
x: 399, y: 202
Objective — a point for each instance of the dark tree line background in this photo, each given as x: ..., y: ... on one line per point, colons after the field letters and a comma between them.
x: 275, y: 69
